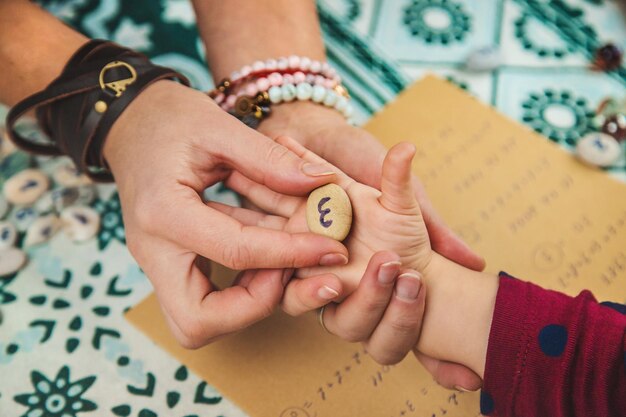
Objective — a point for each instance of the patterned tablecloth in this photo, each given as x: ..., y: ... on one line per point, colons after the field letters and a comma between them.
x: 65, y: 349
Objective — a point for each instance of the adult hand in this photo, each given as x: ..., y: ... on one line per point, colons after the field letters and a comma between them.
x: 165, y: 149
x: 360, y: 155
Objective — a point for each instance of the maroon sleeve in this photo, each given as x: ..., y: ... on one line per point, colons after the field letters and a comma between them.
x: 554, y: 355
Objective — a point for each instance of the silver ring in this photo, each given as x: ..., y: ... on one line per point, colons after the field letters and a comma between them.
x: 320, y: 318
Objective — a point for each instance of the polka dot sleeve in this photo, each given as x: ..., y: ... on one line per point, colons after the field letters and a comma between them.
x: 554, y: 355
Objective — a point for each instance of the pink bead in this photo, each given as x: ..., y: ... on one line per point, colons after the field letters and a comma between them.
x: 258, y: 66
x: 263, y: 84
x: 288, y: 79
x: 271, y: 64
x: 319, y: 80
x: 331, y: 73
x: 245, y: 71
x: 230, y: 101
x: 329, y: 83
x: 235, y: 75
x: 316, y: 66
x: 325, y: 67
x: 299, y: 77
x: 275, y: 78
x: 224, y: 106
x: 305, y: 63
x: 219, y: 98
x: 283, y: 64
x: 294, y: 61
x: 251, y: 89
x: 310, y: 78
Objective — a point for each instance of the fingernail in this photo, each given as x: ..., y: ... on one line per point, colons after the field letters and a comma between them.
x: 316, y: 170
x: 408, y: 286
x: 327, y: 293
x: 333, y: 259
x: 387, y: 272
x: 460, y: 388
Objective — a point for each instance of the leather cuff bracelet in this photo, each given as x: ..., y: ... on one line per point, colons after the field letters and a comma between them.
x: 79, y: 107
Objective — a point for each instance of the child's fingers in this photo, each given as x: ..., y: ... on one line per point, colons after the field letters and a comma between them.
x: 250, y: 217
x: 263, y: 197
x: 303, y: 295
x: 294, y: 146
x: 397, y: 194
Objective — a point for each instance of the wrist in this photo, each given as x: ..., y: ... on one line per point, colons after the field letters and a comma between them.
x: 459, y: 310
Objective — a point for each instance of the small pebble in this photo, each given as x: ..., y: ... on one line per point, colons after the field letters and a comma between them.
x: 329, y: 212
x: 80, y: 223
x: 484, y: 59
x: 42, y: 230
x: 598, y: 149
x: 68, y: 176
x: 11, y: 260
x: 4, y: 207
x: 22, y: 217
x: 24, y: 188
x: 8, y: 235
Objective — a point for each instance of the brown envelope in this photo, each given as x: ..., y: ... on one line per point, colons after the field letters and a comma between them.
x: 529, y: 207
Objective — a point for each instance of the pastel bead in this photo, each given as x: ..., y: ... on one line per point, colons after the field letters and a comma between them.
x: 282, y: 64
x: 258, y: 66
x: 329, y: 83
x: 304, y: 91
x: 331, y: 98
x: 329, y: 212
x: 251, y: 89
x: 299, y: 77
x: 341, y: 103
x: 235, y: 75
x: 23, y: 217
x: 245, y: 70
x: 80, y: 223
x: 276, y: 94
x: 11, y: 261
x: 348, y: 111
x: 294, y: 61
x: 289, y: 92
x: 25, y: 187
x: 275, y: 78
x: 271, y: 64
x: 599, y: 149
x: 305, y: 63
x: 316, y: 66
x: 319, y: 93
x: 41, y: 230
x: 263, y: 84
x: 8, y: 235
x: 325, y: 67
x: 288, y: 79
x: 68, y: 176
x: 320, y: 80
x: 230, y: 101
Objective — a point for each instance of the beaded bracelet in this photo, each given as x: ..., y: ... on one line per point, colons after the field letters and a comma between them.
x: 250, y: 91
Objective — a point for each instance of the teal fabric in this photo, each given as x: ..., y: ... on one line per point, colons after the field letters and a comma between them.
x: 65, y: 349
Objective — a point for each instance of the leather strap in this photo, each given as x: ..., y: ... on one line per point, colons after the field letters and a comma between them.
x: 78, y: 108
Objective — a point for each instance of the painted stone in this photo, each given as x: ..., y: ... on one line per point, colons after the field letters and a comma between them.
x: 11, y: 260
x: 80, y: 223
x: 329, y: 212
x: 598, y: 149
x: 25, y: 187
x: 8, y: 235
x: 22, y: 217
x: 67, y: 176
x: 41, y: 230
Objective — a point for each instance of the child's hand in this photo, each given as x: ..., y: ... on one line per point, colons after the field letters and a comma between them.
x: 389, y: 219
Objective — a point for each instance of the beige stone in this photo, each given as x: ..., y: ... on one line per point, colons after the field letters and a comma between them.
x: 329, y: 212
x: 25, y: 187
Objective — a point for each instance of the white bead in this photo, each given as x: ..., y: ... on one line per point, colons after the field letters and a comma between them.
x: 276, y: 94
x: 319, y: 93
x: 294, y: 61
x: 341, y: 103
x: 68, y: 176
x: 316, y: 66
x: 42, y: 230
x: 289, y: 92
x: 331, y: 98
x: 305, y: 63
x: 25, y: 187
x: 599, y: 149
x: 482, y: 59
x: 304, y: 91
x: 8, y: 235
x: 23, y: 217
x: 4, y: 207
x: 258, y: 66
x: 325, y: 67
x: 80, y: 223
x: 348, y: 111
x: 11, y: 260
x: 271, y: 64
x: 235, y: 75
x: 282, y: 63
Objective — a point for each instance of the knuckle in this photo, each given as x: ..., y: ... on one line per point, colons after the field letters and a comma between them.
x: 235, y: 256
x: 388, y: 357
x: 276, y: 153
x: 352, y: 335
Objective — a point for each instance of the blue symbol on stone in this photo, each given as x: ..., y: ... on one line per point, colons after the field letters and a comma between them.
x: 29, y: 184
x: 324, y: 212
x: 598, y: 144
